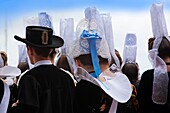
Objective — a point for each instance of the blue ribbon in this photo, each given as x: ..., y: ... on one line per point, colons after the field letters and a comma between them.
x: 89, y: 34
x: 91, y: 37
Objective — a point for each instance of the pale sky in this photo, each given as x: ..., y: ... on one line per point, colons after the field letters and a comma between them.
x: 127, y: 17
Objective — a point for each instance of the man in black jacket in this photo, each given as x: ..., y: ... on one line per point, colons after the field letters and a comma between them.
x: 44, y: 88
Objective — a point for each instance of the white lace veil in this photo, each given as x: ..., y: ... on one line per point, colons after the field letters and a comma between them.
x: 108, y: 31
x: 160, y: 81
x: 130, y: 49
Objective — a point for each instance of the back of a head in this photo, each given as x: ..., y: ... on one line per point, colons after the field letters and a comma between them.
x: 86, y: 60
x: 150, y: 43
x: 164, y: 48
x: 131, y: 71
x: 4, y: 57
x: 118, y: 56
x: 63, y: 63
x: 23, y: 66
x: 43, y: 52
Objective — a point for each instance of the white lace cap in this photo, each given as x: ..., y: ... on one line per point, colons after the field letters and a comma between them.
x: 23, y: 56
x: 92, y: 21
x: 160, y: 81
x: 159, y: 27
x: 108, y: 31
x: 31, y: 21
x: 43, y: 19
x: 130, y: 49
x: 67, y: 33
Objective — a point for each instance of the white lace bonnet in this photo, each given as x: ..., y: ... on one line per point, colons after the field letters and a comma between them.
x: 67, y: 33
x: 160, y: 81
x: 79, y: 47
x: 121, y: 92
x: 130, y: 49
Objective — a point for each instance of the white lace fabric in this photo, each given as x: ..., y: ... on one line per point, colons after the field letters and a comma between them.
x: 95, y: 24
x: 108, y: 31
x: 130, y: 49
x: 161, y: 80
x: 23, y: 57
x: 119, y: 87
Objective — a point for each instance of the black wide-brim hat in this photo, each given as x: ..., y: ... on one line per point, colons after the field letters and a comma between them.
x: 39, y: 36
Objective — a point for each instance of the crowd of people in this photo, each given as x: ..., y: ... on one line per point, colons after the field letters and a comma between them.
x: 86, y: 74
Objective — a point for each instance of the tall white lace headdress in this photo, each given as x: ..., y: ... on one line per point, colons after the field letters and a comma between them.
x: 89, y: 28
x: 160, y: 81
x: 67, y: 33
x: 130, y: 49
x: 108, y: 32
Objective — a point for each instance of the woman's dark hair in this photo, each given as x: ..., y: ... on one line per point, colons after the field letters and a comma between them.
x: 86, y: 60
x: 131, y: 71
x: 63, y: 63
x: 150, y: 43
x: 23, y: 66
x: 4, y: 57
x: 164, y: 48
x: 118, y: 56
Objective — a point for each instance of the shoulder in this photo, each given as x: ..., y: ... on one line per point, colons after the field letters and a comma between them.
x: 27, y: 79
x: 148, y: 74
x: 146, y: 82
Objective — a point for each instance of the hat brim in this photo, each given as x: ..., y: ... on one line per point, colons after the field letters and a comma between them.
x: 9, y: 71
x: 56, y: 42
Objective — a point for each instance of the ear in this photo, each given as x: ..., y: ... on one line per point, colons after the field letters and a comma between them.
x: 29, y: 50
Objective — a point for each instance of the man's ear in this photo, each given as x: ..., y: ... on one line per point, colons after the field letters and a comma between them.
x: 29, y: 50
